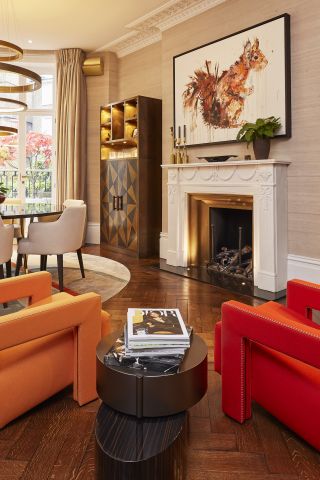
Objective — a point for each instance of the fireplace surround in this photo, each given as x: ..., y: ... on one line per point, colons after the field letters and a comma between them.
x: 265, y: 181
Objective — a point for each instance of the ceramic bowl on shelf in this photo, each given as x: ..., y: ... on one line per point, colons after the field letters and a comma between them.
x: 218, y: 158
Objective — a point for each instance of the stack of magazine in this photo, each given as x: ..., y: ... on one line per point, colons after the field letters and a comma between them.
x: 154, y: 340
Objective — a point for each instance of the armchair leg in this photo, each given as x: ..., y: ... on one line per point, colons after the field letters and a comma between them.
x: 8, y: 268
x: 19, y: 264
x: 5, y: 305
x: 79, y: 253
x: 43, y: 262
x: 60, y: 271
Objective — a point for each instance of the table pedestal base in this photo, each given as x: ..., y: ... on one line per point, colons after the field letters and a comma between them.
x: 128, y: 448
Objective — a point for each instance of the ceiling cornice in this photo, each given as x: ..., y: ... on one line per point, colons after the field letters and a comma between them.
x: 148, y: 29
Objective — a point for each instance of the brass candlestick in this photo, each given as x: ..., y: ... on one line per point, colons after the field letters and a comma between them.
x: 185, y: 156
x: 173, y: 157
x: 178, y: 155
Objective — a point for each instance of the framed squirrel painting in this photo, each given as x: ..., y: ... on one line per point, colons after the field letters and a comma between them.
x: 222, y: 85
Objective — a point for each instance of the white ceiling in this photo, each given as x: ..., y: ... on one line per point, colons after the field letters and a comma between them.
x: 54, y: 24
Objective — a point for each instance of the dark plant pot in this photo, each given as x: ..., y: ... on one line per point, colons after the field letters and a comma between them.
x: 261, y: 148
x: 2, y: 198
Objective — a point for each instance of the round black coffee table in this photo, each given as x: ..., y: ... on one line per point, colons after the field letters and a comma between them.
x: 140, y: 427
x: 139, y: 393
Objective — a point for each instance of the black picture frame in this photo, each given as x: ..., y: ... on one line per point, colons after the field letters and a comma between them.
x: 287, y: 80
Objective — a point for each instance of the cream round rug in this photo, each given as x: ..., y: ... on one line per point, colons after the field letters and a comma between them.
x: 103, y: 275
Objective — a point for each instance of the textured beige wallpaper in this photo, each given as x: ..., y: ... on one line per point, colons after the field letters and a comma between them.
x: 140, y: 73
x: 149, y: 72
x: 100, y: 90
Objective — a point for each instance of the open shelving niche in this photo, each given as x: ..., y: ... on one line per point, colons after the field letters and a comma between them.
x: 119, y: 127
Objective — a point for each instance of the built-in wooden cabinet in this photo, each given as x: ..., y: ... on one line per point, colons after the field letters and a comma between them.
x: 131, y: 175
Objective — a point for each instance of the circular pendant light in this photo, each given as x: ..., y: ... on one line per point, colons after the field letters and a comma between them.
x: 6, y: 131
x: 9, y: 51
x: 34, y: 78
x: 7, y: 105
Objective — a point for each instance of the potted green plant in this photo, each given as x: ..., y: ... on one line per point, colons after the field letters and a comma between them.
x: 259, y: 133
x: 3, y: 192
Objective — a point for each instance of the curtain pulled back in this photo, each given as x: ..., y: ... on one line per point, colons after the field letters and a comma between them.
x: 71, y: 125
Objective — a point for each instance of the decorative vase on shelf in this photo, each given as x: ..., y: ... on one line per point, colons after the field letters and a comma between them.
x: 2, y: 198
x: 261, y: 148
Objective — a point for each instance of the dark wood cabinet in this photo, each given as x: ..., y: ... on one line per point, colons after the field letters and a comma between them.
x: 131, y: 175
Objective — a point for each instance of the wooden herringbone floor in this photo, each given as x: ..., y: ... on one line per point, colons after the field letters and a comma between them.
x: 55, y: 440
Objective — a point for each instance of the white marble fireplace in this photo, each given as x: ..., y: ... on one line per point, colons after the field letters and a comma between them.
x: 265, y: 180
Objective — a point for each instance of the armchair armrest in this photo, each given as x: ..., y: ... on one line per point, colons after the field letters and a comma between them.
x: 303, y: 296
x: 82, y: 314
x: 35, y: 286
x: 40, y: 321
x: 286, y: 335
x: 243, y: 324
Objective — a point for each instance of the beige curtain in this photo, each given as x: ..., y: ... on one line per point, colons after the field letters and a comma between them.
x: 71, y: 125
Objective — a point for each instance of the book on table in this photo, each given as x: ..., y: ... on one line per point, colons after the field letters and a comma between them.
x: 153, y: 340
x: 156, y: 328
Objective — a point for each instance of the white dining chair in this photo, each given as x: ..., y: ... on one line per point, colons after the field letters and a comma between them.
x: 6, y: 246
x: 55, y: 238
x: 69, y: 202
x: 17, y: 224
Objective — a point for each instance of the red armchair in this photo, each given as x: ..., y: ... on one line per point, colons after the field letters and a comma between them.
x: 271, y: 354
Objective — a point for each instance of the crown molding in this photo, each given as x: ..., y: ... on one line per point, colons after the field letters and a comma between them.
x: 148, y: 29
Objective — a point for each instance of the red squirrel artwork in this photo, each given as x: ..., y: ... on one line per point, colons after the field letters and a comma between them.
x: 221, y: 97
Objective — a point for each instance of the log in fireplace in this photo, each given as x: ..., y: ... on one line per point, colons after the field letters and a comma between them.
x: 231, y: 242
x: 221, y: 233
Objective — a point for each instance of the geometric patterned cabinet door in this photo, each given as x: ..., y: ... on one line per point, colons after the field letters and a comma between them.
x: 119, y: 204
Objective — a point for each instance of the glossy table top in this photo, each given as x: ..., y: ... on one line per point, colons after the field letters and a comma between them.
x: 29, y: 210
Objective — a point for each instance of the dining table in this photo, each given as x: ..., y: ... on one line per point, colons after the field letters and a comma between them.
x: 28, y: 210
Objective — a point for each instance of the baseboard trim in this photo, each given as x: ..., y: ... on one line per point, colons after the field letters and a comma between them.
x: 93, y: 233
x: 304, y: 268
x: 164, y: 245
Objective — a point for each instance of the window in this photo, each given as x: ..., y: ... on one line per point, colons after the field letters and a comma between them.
x: 27, y: 159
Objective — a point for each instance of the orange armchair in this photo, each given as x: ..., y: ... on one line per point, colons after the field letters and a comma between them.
x: 271, y: 354
x: 48, y: 345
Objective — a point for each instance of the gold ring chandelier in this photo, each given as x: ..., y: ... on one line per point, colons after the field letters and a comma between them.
x: 9, y: 52
x: 27, y: 75
x: 7, y: 105
x: 13, y: 78
x: 6, y: 131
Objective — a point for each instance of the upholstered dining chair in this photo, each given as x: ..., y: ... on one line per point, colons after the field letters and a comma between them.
x: 16, y: 223
x: 55, y: 238
x: 69, y: 202
x: 6, y: 245
x: 48, y: 345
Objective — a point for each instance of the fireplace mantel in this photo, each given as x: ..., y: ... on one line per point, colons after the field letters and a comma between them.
x: 265, y: 180
x: 237, y: 163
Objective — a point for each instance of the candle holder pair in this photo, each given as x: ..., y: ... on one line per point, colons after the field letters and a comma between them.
x: 179, y: 152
